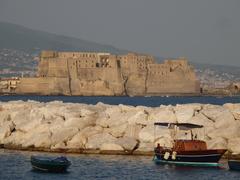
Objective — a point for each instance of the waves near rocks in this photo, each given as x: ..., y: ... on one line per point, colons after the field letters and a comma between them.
x: 117, y: 129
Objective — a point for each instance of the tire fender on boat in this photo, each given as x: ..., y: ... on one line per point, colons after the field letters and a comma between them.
x: 166, y: 155
x: 174, y: 154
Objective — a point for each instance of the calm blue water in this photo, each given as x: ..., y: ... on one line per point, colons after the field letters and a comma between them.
x: 15, y: 165
x: 135, y: 101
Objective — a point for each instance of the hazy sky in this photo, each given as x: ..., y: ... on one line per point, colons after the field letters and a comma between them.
x: 201, y: 30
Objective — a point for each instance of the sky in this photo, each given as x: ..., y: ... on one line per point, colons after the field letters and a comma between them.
x: 204, y: 31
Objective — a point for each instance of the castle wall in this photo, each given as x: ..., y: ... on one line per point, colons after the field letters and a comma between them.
x: 132, y: 63
x: 100, y: 72
x: 171, y: 77
x: 89, y: 73
x: 43, y: 86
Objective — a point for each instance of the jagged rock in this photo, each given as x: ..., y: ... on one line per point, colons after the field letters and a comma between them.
x: 200, y: 119
x: 140, y: 117
x: 184, y: 113
x: 127, y: 143
x: 60, y: 145
x: 112, y: 117
x: 81, y: 138
x: 147, y: 134
x: 6, y: 130
x: 86, y: 112
x: 77, y: 142
x: 40, y: 140
x: 96, y: 141
x: 62, y: 135
x: 229, y: 132
x: 40, y: 137
x: 233, y: 145
x: 218, y: 114
x: 163, y: 114
x: 133, y: 131
x: 117, y: 131
x: 209, y: 129
x: 126, y: 108
x: 20, y: 118
x: 17, y: 138
x: 92, y: 130
x: 234, y: 109
x: 103, y: 120
x: 217, y: 143
x: 212, y: 111
x: 33, y: 119
x: 4, y: 116
x: 59, y: 125
x: 145, y: 147
x: 80, y: 123
x: 111, y: 147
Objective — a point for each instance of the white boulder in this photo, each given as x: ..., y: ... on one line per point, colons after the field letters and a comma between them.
x: 128, y: 144
x: 234, y: 109
x: 62, y: 135
x: 96, y: 141
x: 162, y: 114
x: 6, y: 130
x: 184, y: 113
x: 111, y: 147
x: 116, y: 131
x: 233, y: 145
x: 133, y: 131
x: 217, y: 143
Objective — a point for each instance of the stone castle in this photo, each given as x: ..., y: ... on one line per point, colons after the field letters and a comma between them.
x: 104, y: 74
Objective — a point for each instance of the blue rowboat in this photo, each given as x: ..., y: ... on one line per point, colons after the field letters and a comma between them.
x: 234, y: 165
x: 50, y: 164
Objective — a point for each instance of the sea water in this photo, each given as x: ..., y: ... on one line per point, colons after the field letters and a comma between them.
x: 135, y: 101
x: 15, y: 165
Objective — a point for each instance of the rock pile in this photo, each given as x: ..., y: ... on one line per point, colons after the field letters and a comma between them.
x: 70, y: 127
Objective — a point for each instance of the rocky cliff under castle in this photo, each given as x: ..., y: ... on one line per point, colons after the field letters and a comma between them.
x: 104, y: 74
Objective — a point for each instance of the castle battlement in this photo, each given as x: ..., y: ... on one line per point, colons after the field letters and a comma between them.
x: 100, y: 73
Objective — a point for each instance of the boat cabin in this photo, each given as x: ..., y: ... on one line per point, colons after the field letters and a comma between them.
x: 189, y: 145
x: 192, y: 144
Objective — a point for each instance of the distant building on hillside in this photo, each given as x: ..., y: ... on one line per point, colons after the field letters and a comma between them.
x: 94, y: 73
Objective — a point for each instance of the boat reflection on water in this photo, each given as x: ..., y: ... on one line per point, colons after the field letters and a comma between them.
x: 187, y: 152
x: 234, y: 165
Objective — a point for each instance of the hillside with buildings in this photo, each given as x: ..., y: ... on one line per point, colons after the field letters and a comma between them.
x: 22, y: 46
x: 105, y: 74
x: 17, y: 63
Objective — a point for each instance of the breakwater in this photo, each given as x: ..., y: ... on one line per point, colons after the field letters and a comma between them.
x: 112, y: 129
